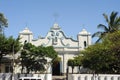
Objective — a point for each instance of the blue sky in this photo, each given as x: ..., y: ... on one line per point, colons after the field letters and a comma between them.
x: 73, y: 15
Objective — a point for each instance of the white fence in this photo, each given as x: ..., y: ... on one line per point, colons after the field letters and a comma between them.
x: 10, y: 76
x: 94, y: 77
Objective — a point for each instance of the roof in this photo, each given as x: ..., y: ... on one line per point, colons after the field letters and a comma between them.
x: 84, y: 32
x: 26, y: 30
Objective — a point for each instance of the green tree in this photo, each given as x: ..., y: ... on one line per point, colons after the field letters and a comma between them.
x: 78, y: 60
x: 113, y: 24
x: 36, y: 56
x: 3, y: 22
x: 50, y: 52
x: 8, y: 45
x: 71, y: 62
x: 104, y: 57
x: 114, y: 40
x: 32, y: 58
x: 98, y: 58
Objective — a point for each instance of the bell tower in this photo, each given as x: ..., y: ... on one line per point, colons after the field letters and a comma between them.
x: 84, y: 39
x: 26, y: 35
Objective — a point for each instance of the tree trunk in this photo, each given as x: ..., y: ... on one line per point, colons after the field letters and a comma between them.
x: 72, y: 69
x: 22, y: 69
x: 79, y: 69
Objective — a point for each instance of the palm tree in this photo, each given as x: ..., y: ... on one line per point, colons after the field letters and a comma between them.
x: 113, y: 24
x: 3, y: 22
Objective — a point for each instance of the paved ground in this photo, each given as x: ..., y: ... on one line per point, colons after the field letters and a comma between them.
x: 59, y: 78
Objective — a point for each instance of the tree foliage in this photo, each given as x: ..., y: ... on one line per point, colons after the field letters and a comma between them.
x: 3, y: 22
x: 97, y: 58
x: 114, y: 40
x: 78, y: 60
x: 104, y: 57
x: 34, y: 58
x: 71, y: 62
x: 8, y: 45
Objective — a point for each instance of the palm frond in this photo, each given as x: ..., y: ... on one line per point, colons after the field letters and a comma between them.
x: 105, y: 28
x: 98, y: 40
x: 117, y: 20
x: 106, y: 18
x: 100, y: 37
x: 117, y: 23
x: 112, y: 18
x: 97, y: 34
x: 113, y: 25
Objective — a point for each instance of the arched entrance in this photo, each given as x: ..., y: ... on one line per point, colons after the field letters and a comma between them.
x: 56, y: 68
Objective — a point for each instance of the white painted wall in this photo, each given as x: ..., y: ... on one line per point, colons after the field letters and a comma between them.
x: 93, y: 77
x: 7, y: 76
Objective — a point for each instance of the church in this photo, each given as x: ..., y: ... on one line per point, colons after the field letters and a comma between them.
x: 66, y: 47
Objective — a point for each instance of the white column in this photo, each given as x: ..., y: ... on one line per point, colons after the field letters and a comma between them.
x: 48, y: 76
x: 63, y: 62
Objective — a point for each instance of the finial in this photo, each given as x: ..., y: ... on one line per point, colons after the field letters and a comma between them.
x: 26, y: 24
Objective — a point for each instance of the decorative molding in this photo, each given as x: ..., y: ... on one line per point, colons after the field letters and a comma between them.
x: 49, y: 38
x: 66, y: 45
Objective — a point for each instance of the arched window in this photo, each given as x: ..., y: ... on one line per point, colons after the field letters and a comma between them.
x: 25, y: 41
x: 85, y: 44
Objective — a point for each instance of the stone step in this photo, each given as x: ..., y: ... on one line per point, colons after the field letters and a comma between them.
x: 58, y: 77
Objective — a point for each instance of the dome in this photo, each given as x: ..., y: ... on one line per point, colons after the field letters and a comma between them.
x: 26, y: 30
x: 84, y: 32
x: 55, y: 26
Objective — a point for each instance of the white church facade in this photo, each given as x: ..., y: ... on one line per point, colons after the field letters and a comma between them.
x: 66, y: 47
